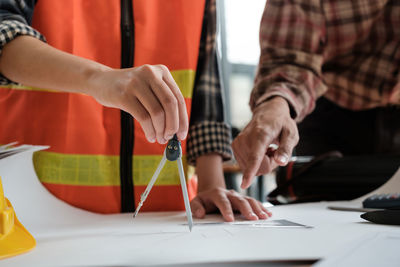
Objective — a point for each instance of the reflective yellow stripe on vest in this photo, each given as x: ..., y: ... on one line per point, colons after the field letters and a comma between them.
x: 100, y: 170
x: 81, y: 166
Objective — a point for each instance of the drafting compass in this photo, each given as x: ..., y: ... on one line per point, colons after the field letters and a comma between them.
x: 173, y: 152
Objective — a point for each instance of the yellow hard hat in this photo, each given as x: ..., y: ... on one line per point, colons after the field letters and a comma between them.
x: 14, y: 238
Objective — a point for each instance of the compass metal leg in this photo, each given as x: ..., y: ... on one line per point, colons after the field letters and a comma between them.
x: 185, y: 193
x: 150, y: 185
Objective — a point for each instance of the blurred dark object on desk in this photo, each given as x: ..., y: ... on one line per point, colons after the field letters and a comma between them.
x: 332, y: 176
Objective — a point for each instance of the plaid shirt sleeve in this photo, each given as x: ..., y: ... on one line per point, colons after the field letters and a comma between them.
x: 15, y: 18
x: 208, y: 132
x: 347, y: 51
x: 292, y: 41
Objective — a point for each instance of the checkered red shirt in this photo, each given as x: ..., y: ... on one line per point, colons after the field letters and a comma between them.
x: 346, y: 50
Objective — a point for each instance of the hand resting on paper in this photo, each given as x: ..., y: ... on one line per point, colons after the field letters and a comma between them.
x: 227, y: 201
x: 213, y: 196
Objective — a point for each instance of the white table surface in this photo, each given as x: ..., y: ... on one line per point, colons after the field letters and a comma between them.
x: 67, y: 236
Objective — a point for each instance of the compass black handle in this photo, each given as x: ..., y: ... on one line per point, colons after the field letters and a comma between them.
x: 173, y: 150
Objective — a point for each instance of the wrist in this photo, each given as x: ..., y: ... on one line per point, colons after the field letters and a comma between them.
x: 210, y: 172
x: 95, y: 81
x: 275, y: 103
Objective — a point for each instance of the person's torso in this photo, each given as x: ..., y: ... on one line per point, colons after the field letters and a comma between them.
x: 362, y: 55
x: 83, y: 164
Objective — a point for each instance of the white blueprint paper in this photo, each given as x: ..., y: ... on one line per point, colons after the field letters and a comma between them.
x: 383, y: 246
x: 67, y: 236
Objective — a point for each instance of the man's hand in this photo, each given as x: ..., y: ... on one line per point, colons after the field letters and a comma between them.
x: 212, y: 195
x: 148, y: 93
x: 271, y: 124
x: 226, y: 202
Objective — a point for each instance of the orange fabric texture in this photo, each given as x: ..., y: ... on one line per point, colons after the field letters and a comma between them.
x: 166, y: 32
x: 86, y: 28
x: 69, y: 123
x: 176, y: 23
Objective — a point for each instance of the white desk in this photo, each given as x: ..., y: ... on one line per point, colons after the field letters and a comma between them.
x: 71, y: 237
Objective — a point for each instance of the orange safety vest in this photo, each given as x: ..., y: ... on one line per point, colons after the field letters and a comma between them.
x: 82, y: 165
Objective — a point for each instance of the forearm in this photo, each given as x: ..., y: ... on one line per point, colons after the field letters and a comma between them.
x: 208, y: 132
x: 209, y: 172
x: 291, y: 60
x: 31, y: 62
x: 297, y: 85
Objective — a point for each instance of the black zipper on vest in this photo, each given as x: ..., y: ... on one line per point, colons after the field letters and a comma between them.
x: 127, y: 126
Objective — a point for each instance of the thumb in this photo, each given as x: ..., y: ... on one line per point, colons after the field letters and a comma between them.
x: 284, y: 152
x: 197, y: 208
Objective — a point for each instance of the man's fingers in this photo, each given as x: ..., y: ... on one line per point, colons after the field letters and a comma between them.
x: 269, y: 120
x: 147, y: 98
x: 266, y: 210
x: 252, y: 165
x: 241, y: 204
x: 143, y: 117
x: 252, y: 144
x: 183, y: 126
x: 169, y: 104
x: 226, y: 201
x: 288, y: 140
x: 224, y: 205
x: 265, y: 166
x: 238, y: 156
x: 169, y: 116
x: 249, y: 164
x: 198, y: 208
x: 258, y: 208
